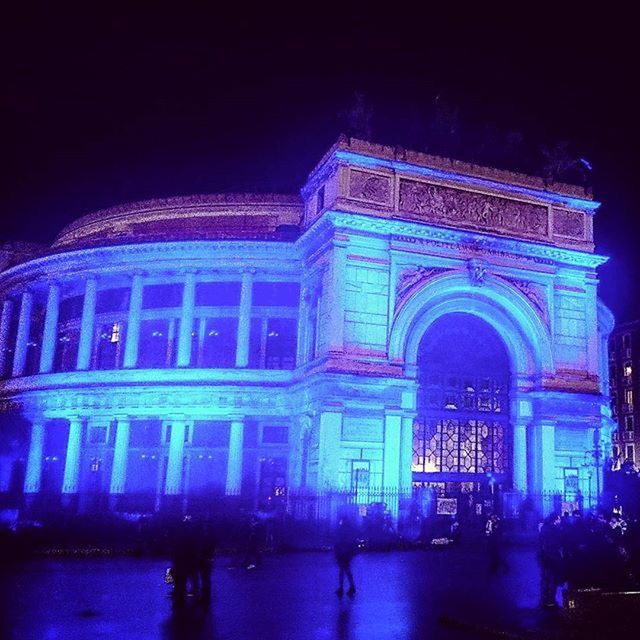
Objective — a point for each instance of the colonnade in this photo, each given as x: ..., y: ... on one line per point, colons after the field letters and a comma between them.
x: 173, y: 483
x: 134, y: 316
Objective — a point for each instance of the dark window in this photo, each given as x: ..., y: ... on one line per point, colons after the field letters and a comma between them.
x: 70, y: 309
x: 110, y: 300
x: 162, y: 296
x: 66, y: 355
x: 11, y: 340
x: 280, y: 349
x: 34, y: 342
x: 98, y: 435
x: 275, y: 435
x: 145, y: 433
x: 217, y: 294
x: 219, y: 338
x: 276, y: 294
x: 156, y: 339
x: 209, y: 433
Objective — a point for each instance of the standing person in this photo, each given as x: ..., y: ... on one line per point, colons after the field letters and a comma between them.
x: 345, y: 548
x: 184, y: 558
x: 493, y: 531
x: 551, y: 559
x: 206, y: 552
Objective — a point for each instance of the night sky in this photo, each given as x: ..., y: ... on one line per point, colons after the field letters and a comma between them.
x: 102, y: 108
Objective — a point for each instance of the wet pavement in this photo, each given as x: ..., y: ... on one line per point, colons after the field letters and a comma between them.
x: 433, y: 593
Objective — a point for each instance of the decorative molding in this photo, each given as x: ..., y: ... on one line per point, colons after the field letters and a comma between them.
x: 535, y: 294
x: 413, y: 277
x: 569, y: 224
x: 420, y: 233
x: 370, y: 187
x: 477, y: 271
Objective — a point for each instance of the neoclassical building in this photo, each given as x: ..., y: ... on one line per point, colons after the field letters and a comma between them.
x: 407, y: 321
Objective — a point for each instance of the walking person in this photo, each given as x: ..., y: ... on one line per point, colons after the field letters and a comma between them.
x: 344, y: 549
x: 551, y: 557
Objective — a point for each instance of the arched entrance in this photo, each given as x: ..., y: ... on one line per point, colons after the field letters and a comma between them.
x: 462, y: 438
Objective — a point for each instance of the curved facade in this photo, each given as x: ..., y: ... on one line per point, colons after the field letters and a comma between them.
x: 264, y: 344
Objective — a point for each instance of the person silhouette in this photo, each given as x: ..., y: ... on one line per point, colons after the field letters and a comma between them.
x: 345, y: 548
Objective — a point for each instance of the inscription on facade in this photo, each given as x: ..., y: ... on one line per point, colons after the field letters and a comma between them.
x: 445, y: 205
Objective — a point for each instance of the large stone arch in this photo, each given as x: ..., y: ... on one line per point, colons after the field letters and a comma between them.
x: 526, y: 338
x: 508, y: 311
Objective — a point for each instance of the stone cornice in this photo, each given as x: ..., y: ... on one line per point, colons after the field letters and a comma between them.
x: 123, y: 378
x: 181, y: 256
x: 412, y: 233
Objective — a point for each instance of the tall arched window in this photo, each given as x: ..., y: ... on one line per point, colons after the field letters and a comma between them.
x: 462, y: 432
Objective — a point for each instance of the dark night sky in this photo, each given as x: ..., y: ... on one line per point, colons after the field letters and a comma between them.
x: 102, y: 108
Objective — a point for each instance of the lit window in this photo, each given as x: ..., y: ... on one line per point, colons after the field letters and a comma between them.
x: 96, y: 465
x: 115, y: 332
x: 628, y: 396
x: 627, y: 370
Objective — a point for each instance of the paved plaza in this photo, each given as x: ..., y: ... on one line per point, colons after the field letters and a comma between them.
x: 435, y: 593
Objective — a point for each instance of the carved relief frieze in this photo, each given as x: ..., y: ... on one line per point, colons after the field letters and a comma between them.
x: 535, y: 294
x: 445, y: 205
x: 369, y: 186
x: 410, y: 277
x: 569, y: 224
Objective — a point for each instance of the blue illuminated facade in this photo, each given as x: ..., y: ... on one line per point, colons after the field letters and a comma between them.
x: 408, y: 321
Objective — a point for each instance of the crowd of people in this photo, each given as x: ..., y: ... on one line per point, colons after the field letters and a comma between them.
x: 596, y: 550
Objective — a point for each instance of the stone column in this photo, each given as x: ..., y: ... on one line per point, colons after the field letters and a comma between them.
x: 548, y: 444
x: 50, y: 332
x: 391, y: 469
x: 406, y: 455
x: 70, y: 483
x: 173, y: 483
x: 120, y: 456
x: 5, y: 325
x: 520, y: 457
x: 244, y: 319
x: 303, y: 312
x: 22, y: 336
x: 186, y: 320
x: 234, y: 463
x: 133, y: 323
x: 329, y: 450
x: 336, y: 295
x: 541, y: 449
x: 87, y: 326
x: 33, y: 474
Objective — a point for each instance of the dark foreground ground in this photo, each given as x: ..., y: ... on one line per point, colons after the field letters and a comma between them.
x: 434, y: 593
